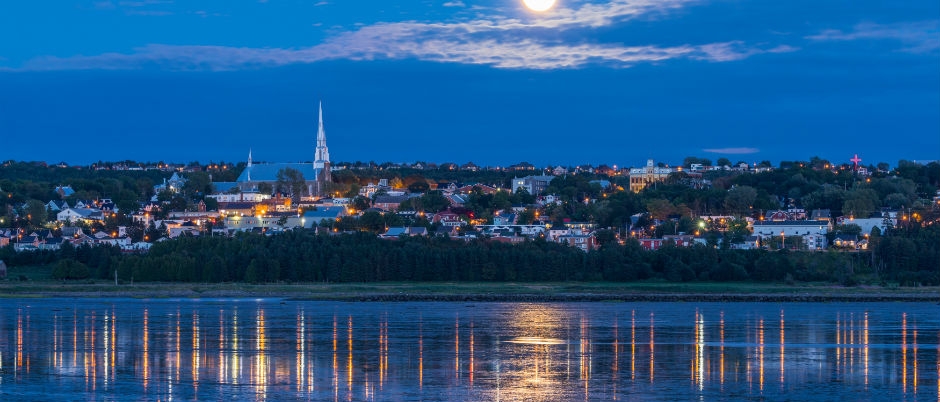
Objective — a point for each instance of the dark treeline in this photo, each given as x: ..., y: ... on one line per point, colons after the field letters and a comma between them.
x: 302, y: 256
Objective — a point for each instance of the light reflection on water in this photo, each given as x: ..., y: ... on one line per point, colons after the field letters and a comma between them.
x: 277, y: 350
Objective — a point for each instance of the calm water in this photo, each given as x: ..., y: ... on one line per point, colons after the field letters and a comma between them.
x: 120, y: 349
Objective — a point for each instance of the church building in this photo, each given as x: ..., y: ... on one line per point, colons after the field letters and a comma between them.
x: 316, y: 175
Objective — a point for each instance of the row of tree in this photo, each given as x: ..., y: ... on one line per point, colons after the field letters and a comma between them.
x: 303, y: 256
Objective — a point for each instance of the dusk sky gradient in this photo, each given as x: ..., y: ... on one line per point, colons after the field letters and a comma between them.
x: 612, y: 82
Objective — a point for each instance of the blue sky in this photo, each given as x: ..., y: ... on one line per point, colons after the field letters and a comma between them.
x: 491, y: 82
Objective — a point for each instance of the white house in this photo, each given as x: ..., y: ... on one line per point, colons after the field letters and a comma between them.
x: 812, y: 232
x: 79, y: 214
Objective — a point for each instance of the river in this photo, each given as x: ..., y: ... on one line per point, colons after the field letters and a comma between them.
x: 274, y: 349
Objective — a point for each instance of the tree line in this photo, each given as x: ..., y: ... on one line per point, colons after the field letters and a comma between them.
x: 306, y: 256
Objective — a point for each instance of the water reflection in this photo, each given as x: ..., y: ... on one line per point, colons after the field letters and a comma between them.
x: 268, y: 349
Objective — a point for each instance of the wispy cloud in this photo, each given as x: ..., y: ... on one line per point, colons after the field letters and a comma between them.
x: 456, y: 3
x: 495, y: 40
x: 732, y: 151
x: 737, y: 50
x: 916, y: 37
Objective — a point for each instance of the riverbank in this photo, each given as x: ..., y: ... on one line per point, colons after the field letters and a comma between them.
x: 482, y: 292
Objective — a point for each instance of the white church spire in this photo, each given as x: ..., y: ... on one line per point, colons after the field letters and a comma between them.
x: 249, y: 157
x: 322, y: 155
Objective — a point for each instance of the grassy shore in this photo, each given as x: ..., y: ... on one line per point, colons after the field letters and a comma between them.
x: 445, y: 291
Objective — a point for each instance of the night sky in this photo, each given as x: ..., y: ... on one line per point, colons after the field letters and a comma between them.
x: 491, y: 82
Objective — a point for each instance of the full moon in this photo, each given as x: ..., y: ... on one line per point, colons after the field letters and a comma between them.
x: 539, y: 5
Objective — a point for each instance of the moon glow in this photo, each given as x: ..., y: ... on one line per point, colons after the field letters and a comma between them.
x: 539, y: 5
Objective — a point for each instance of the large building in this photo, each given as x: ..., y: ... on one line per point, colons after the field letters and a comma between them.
x: 640, y: 178
x: 316, y: 174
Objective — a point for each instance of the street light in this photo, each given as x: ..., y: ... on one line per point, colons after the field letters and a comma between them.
x: 783, y: 240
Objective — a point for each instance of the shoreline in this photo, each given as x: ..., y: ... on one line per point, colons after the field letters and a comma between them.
x: 479, y: 292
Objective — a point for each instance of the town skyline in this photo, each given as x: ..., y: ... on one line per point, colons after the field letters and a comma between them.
x: 342, y: 164
x: 491, y: 82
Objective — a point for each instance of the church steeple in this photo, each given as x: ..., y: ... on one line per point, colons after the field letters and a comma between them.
x: 248, y: 168
x: 321, y: 157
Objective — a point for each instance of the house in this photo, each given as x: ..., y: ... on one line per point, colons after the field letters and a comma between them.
x: 880, y: 220
x: 64, y: 191
x: 581, y: 227
x: 237, y: 208
x: 522, y: 166
x: 651, y: 244
x: 504, y: 219
x: 585, y: 242
x: 322, y: 214
x: 71, y: 231
x: 56, y: 206
x: 681, y: 240
x: 173, y: 185
x: 821, y: 215
x: 395, y: 232
x: 447, y: 218
x: 447, y: 231
x: 752, y: 242
x: 137, y: 247
x: 172, y: 233
x: 53, y: 243
x: 548, y: 199
x: 243, y: 196
x: 389, y: 202
x: 369, y: 189
x: 27, y: 243
x: 87, y: 215
x: 845, y: 241
x: 509, y: 239
x: 470, y: 167
x: 812, y: 232
x: 483, y: 188
x: 532, y: 184
x: 457, y: 200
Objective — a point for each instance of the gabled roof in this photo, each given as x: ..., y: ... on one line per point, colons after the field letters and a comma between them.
x: 71, y: 230
x: 87, y: 213
x: 224, y: 186
x: 65, y: 191
x: 395, y: 232
x: 236, y: 205
x: 268, y: 171
x: 789, y: 223
x: 325, y: 213
x: 391, y: 199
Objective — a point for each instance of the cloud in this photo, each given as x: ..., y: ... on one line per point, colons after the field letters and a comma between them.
x: 736, y: 50
x: 496, y: 40
x: 456, y: 3
x: 732, y: 151
x: 917, y: 37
